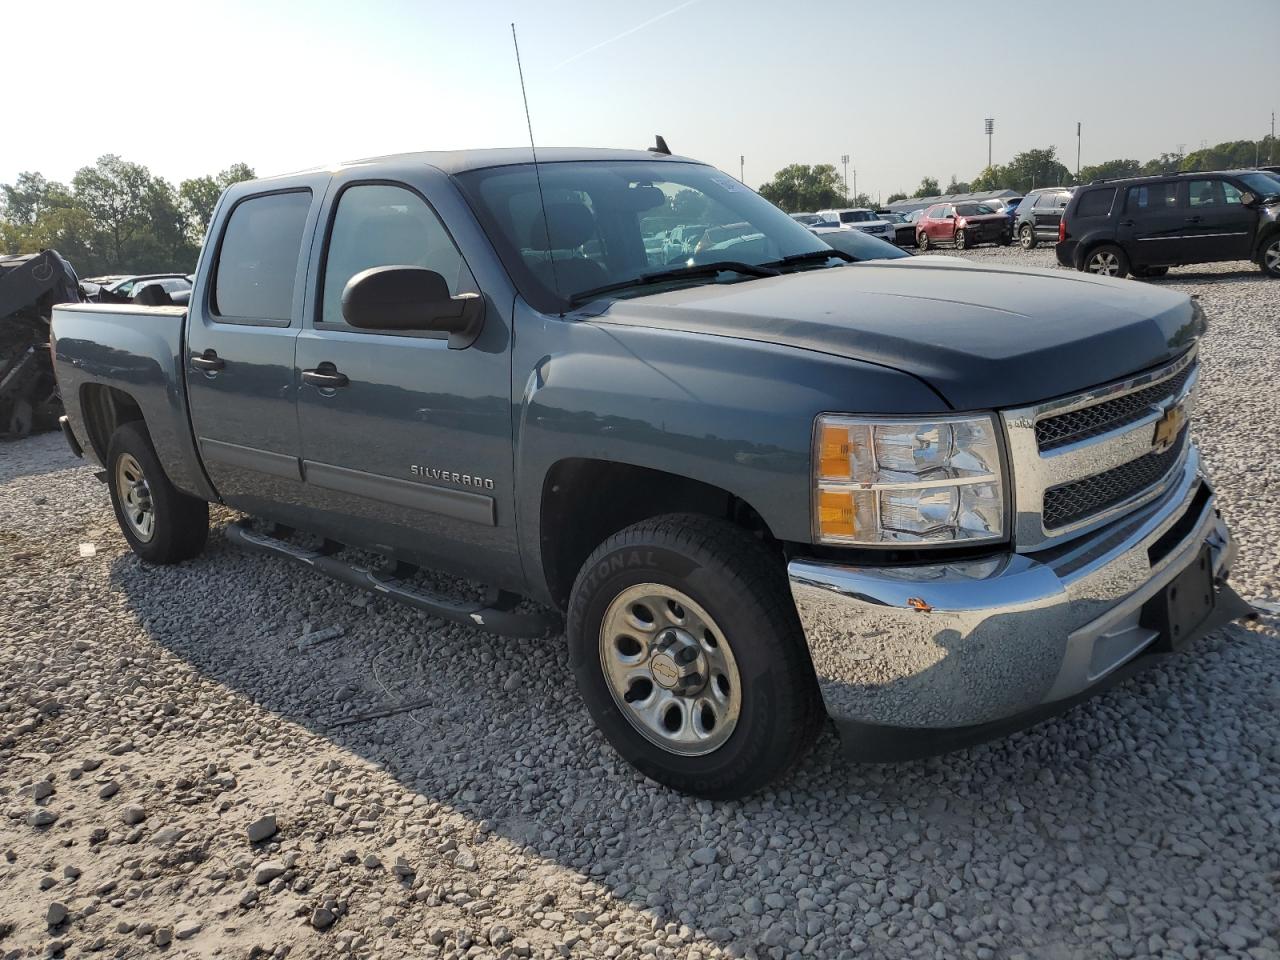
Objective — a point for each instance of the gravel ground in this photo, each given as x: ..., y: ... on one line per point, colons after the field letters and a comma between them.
x: 152, y: 719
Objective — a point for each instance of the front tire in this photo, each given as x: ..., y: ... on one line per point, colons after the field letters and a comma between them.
x: 1107, y: 260
x: 961, y: 240
x: 161, y: 523
x: 1027, y: 237
x: 1269, y: 257
x: 922, y: 240
x: 690, y: 656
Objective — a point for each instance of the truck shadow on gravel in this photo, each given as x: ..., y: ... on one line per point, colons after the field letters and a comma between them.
x: 503, y: 739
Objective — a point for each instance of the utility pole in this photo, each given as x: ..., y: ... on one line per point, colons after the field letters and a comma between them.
x: 1077, y: 150
x: 855, y: 181
x: 989, y: 125
x: 1271, y: 148
x: 844, y: 159
x: 742, y: 167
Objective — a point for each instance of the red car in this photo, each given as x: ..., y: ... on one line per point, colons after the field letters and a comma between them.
x: 964, y: 224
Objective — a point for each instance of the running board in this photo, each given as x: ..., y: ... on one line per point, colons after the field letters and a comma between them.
x: 495, y: 613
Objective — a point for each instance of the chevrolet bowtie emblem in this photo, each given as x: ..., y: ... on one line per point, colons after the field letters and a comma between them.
x: 1168, y: 428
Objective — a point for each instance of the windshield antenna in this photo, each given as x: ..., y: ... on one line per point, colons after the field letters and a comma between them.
x: 546, y: 224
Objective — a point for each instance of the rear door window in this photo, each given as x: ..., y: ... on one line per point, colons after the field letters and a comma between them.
x: 1204, y: 193
x: 257, y: 264
x: 1152, y: 197
x: 1096, y: 203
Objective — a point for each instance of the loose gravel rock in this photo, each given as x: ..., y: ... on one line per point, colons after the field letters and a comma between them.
x: 1144, y: 822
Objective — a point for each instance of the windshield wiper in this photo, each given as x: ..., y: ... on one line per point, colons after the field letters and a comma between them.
x: 677, y: 273
x: 813, y: 256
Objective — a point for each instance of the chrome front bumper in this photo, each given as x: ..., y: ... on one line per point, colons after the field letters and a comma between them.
x: 955, y: 652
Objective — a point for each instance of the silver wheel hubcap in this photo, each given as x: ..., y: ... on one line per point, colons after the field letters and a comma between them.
x: 135, y: 497
x: 1272, y: 257
x: 670, y: 669
x: 1105, y: 263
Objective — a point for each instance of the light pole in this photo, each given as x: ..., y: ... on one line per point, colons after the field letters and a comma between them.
x: 742, y: 167
x: 989, y: 125
x: 1077, y: 149
x: 844, y: 159
x: 855, y: 181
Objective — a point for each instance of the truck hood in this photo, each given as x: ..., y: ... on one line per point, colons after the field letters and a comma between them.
x: 982, y: 337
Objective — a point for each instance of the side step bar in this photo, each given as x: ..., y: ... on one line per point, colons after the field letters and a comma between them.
x: 495, y: 613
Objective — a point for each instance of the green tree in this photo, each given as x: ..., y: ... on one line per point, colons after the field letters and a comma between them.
x: 1110, y: 170
x: 928, y: 188
x: 198, y: 196
x: 799, y: 187
x: 30, y: 197
x: 1034, y: 168
x: 895, y: 197
x: 1165, y: 163
x: 958, y: 186
x: 991, y: 178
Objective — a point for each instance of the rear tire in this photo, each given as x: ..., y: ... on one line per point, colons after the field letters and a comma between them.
x: 690, y: 656
x: 161, y: 523
x: 1107, y: 260
x: 1269, y: 257
x: 1027, y: 237
x: 922, y: 240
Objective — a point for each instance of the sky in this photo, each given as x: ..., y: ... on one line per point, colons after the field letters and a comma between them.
x: 188, y: 87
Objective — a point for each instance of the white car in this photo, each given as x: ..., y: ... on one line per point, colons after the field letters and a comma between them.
x: 860, y: 218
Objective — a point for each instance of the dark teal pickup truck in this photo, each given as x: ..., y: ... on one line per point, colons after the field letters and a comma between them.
x: 931, y: 500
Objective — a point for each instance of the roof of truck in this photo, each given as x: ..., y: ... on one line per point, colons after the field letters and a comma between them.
x: 461, y: 161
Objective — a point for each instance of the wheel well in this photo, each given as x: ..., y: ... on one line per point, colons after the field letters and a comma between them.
x: 1264, y: 238
x: 586, y: 501
x: 104, y: 410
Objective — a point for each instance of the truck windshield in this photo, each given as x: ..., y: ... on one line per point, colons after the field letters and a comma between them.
x: 607, y: 222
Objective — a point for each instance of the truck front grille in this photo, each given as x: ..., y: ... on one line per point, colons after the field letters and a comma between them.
x: 1072, y: 502
x: 1077, y: 425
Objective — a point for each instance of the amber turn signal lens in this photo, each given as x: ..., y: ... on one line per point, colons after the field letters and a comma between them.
x: 833, y: 452
x: 837, y: 516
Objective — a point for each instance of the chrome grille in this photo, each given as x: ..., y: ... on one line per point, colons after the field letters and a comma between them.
x: 1077, y: 425
x: 1073, y: 502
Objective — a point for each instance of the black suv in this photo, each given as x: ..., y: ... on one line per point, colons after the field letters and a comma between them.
x: 1145, y: 225
x: 1039, y: 214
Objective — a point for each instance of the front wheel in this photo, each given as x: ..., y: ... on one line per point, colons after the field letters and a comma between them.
x: 1269, y: 260
x: 161, y: 523
x: 1107, y: 260
x: 690, y: 656
x: 922, y: 240
x: 1027, y: 237
x: 961, y: 240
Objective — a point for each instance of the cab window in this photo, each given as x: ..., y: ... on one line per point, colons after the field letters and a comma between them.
x: 257, y: 263
x: 381, y: 225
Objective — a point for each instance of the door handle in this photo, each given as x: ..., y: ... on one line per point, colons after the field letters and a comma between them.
x: 325, y: 376
x: 1126, y: 223
x: 1194, y: 219
x: 209, y: 361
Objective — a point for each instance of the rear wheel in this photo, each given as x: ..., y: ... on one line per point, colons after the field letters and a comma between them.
x: 161, y: 523
x: 690, y: 656
x: 961, y: 240
x: 1107, y: 260
x: 922, y: 240
x: 1027, y: 237
x: 1269, y: 261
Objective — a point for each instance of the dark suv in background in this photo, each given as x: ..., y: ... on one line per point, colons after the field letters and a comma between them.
x: 1145, y: 225
x: 1039, y: 214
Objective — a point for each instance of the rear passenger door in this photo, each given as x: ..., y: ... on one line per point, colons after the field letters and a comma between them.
x: 245, y: 314
x: 1152, y: 224
x: 1047, y: 214
x: 1219, y: 226
x: 412, y: 453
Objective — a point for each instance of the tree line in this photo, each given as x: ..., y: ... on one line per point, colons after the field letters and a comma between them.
x: 804, y: 187
x: 114, y: 217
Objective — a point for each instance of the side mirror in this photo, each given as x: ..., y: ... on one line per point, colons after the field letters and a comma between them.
x: 411, y: 298
x: 1248, y: 198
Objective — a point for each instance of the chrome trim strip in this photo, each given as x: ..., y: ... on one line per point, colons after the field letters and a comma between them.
x: 251, y: 458
x: 459, y: 504
x: 1034, y: 472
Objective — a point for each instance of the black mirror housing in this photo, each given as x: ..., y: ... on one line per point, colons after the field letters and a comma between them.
x: 1248, y: 198
x: 405, y: 298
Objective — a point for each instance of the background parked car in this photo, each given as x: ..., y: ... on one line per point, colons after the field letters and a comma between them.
x: 859, y: 218
x: 859, y: 245
x: 1146, y: 225
x: 904, y: 230
x: 962, y: 224
x: 809, y: 219
x: 1039, y: 214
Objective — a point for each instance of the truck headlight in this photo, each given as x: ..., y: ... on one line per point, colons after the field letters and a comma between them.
x: 881, y: 480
